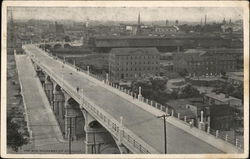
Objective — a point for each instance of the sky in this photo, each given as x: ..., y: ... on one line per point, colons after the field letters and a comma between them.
x: 192, y: 14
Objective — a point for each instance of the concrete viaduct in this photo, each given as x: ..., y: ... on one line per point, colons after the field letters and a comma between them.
x: 104, y: 113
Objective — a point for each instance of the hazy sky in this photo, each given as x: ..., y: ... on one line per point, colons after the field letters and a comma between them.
x: 127, y: 13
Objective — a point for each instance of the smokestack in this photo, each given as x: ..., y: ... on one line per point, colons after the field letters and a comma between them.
x: 205, y: 19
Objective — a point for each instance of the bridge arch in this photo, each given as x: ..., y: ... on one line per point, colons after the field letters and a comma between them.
x: 57, y: 46
x: 67, y: 45
x: 74, y: 115
x: 48, y: 46
x: 48, y: 79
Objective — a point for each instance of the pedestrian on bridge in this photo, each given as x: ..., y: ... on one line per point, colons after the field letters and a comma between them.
x: 77, y: 89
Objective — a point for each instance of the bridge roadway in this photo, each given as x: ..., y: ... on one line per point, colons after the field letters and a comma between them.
x: 142, y: 123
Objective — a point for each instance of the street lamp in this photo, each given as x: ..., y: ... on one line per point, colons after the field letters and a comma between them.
x: 164, y: 116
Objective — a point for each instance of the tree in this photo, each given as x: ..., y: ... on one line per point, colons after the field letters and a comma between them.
x: 67, y: 38
x: 189, y: 92
x: 153, y: 88
x: 14, y: 138
x: 183, y: 73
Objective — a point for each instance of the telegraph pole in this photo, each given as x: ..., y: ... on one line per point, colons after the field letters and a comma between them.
x: 69, y: 135
x: 165, y: 131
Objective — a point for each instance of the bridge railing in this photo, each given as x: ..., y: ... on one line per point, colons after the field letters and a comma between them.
x: 126, y: 137
x: 236, y: 142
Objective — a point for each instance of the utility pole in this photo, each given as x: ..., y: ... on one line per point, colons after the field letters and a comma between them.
x: 94, y: 144
x: 69, y: 135
x: 164, y: 116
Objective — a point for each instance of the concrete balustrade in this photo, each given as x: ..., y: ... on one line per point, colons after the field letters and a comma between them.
x: 172, y: 113
x: 167, y: 110
x: 151, y: 103
x: 226, y: 137
x: 208, y: 129
x: 217, y: 133
x: 236, y: 142
x: 162, y: 107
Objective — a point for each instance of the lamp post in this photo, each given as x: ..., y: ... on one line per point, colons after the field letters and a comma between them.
x: 164, y: 116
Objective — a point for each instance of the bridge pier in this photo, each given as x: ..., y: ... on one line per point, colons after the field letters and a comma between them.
x: 48, y: 88
x: 70, y: 118
x: 58, y: 103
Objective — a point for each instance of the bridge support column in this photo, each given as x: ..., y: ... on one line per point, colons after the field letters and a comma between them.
x: 70, y: 121
x: 40, y: 75
x: 48, y: 88
x: 58, y: 103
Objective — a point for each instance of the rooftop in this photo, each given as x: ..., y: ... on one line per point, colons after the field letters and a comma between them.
x: 193, y: 36
x: 236, y: 75
x: 214, y: 51
x: 222, y: 97
x: 137, y: 51
x: 179, y: 105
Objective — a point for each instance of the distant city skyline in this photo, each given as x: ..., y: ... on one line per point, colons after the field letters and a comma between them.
x: 189, y: 14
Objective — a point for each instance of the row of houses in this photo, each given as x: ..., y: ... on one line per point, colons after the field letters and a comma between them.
x: 220, y: 112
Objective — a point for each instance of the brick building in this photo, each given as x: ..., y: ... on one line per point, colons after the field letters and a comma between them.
x: 208, y: 62
x: 216, y: 116
x: 131, y: 63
